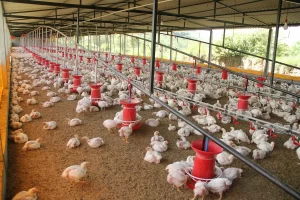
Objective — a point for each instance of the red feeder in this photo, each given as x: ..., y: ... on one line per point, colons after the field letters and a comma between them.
x: 88, y: 60
x: 52, y: 66
x: 224, y: 74
x: 80, y: 58
x: 120, y: 57
x: 67, y: 54
x: 261, y: 79
x: 174, y: 66
x: 119, y: 67
x: 132, y: 59
x: 137, y: 71
x: 159, y: 77
x: 243, y: 102
x: 144, y: 61
x: 76, y: 82
x: 56, y: 68
x: 95, y: 93
x: 129, y: 113
x: 198, y: 70
x: 204, y: 163
x: 192, y: 85
x: 112, y: 57
x: 62, y: 54
x: 157, y: 63
x: 66, y: 74
x: 106, y: 56
x: 70, y: 56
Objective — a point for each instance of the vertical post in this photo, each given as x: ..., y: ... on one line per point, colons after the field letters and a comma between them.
x: 171, y: 43
x: 110, y: 43
x: 268, y: 53
x: 42, y: 41
x: 56, y: 47
x: 124, y: 44
x: 209, y: 48
x: 144, y: 45
x: 224, y: 32
x: 77, y: 39
x: 153, y: 45
x: 276, y: 41
x: 46, y: 44
x: 138, y: 40
x: 121, y: 42
x: 158, y: 36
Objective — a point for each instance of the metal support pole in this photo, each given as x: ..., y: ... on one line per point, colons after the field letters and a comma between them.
x: 224, y: 32
x: 276, y: 41
x: 144, y: 45
x: 124, y: 44
x: 138, y: 41
x: 171, y: 44
x: 268, y: 53
x: 153, y: 45
x: 120, y: 44
x: 159, y: 21
x: 77, y: 39
x: 209, y: 48
x: 110, y: 43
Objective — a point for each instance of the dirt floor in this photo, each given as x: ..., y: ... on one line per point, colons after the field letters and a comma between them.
x: 117, y: 170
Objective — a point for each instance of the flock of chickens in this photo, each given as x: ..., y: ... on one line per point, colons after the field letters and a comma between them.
x: 260, y: 107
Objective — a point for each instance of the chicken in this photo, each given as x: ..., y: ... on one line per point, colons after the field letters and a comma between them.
x: 176, y: 174
x: 49, y: 125
x: 35, y: 114
x: 219, y: 185
x: 74, y: 121
x: 26, y: 118
x: 213, y: 128
x: 242, y: 150
x: 31, y: 194
x: 160, y: 114
x: 200, y: 190
x: 224, y: 158
x: 159, y: 146
x: 102, y: 104
x: 267, y: 147
x: 51, y: 94
x: 241, y: 136
x: 72, y: 97
x: 47, y: 104
x: 110, y: 124
x: 258, y: 154
x: 73, y: 142
x: 152, y: 156
x: 125, y: 132
x: 232, y: 173
x: 210, y: 119
x: 298, y: 152
x: 54, y: 99
x: 182, y: 143
x: 289, y: 144
x: 31, y: 101
x: 171, y: 128
x: 152, y: 122
x: 94, y: 109
x: 19, y: 136
x: 147, y: 106
x: 75, y: 172
x: 157, y: 137
x: 32, y: 144
x: 15, y: 125
x: 94, y: 142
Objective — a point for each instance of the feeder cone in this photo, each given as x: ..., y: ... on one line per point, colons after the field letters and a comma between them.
x: 137, y: 71
x: 129, y: 113
x: 112, y: 57
x: 144, y: 61
x: 119, y: 67
x: 76, y: 82
x: 159, y: 77
x: 132, y: 59
x: 66, y: 74
x: 198, y: 69
x: 157, y: 63
x: 56, y: 68
x: 224, y: 74
x: 95, y: 93
x: 204, y: 163
x: 243, y: 102
x: 174, y: 67
x: 261, y: 79
x: 192, y: 85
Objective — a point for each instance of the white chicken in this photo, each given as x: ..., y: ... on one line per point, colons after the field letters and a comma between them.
x: 94, y: 142
x: 160, y: 114
x: 245, y: 151
x: 35, y: 114
x: 72, y: 97
x: 224, y: 158
x: 47, y: 104
x: 73, y: 142
x: 55, y: 99
x: 232, y: 173
x: 125, y: 132
x: 214, y: 128
x: 75, y: 172
x: 171, y: 127
x: 32, y: 144
x: 25, y: 118
x: 49, y: 125
x: 200, y: 190
x: 266, y: 146
x: 182, y: 143
x: 110, y: 124
x: 31, y: 101
x: 31, y: 194
x: 159, y: 146
x: 152, y: 156
x: 298, y: 153
x: 152, y: 122
x: 74, y: 121
x: 19, y: 136
x: 241, y: 136
x: 210, y: 119
x: 157, y: 137
x: 289, y: 144
x: 219, y: 185
x: 258, y: 154
x: 176, y: 174
x: 15, y: 125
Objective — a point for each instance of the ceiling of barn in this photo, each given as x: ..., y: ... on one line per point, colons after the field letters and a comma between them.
x: 24, y: 15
